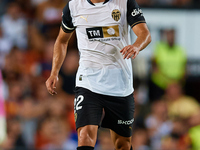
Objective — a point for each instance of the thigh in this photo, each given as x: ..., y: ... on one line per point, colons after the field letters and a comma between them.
x: 87, y: 108
x: 119, y: 115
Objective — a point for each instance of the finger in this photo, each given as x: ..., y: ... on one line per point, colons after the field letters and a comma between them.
x: 124, y: 49
x: 134, y: 56
x: 47, y: 84
x: 52, y: 92
x: 128, y: 48
x: 128, y: 53
x: 54, y: 83
x: 49, y: 88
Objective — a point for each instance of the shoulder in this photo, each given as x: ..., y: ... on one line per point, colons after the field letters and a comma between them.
x: 74, y: 2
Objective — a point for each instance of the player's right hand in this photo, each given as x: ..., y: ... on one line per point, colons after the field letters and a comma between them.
x: 51, y: 84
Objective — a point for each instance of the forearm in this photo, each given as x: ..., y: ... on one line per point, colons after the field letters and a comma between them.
x: 143, y: 39
x: 60, y: 50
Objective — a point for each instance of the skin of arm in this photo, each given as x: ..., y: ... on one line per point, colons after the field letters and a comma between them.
x: 143, y: 39
x: 59, y: 53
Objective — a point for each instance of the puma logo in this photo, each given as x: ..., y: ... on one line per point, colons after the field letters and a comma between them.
x: 85, y: 18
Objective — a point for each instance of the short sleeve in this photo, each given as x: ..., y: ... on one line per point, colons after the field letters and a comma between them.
x: 67, y: 24
x: 134, y: 13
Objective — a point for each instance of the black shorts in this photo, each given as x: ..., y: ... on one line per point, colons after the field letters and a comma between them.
x: 118, y: 111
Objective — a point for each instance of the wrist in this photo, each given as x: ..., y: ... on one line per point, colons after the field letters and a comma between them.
x: 55, y: 74
x: 137, y: 47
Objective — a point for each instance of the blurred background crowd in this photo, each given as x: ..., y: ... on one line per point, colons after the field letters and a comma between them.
x: 167, y: 113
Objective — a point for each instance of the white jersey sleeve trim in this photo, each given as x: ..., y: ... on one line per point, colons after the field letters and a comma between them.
x: 67, y: 27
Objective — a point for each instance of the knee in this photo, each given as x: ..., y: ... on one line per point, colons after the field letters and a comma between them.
x: 85, y: 139
x: 123, y: 144
x: 87, y: 136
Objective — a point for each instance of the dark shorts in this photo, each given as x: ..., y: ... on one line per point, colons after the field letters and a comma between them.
x: 115, y: 113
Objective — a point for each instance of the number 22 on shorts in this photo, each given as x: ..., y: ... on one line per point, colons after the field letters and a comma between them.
x: 77, y: 102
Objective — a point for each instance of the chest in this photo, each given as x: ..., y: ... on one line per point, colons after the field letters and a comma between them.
x: 97, y: 16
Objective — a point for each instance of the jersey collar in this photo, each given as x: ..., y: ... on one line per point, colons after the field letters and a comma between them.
x: 94, y: 5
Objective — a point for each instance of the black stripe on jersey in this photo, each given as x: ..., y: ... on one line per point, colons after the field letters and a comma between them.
x: 67, y: 24
x: 94, y: 5
x: 90, y: 2
x: 134, y: 13
x: 105, y: 1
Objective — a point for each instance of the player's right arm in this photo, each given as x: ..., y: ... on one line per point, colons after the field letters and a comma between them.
x: 59, y: 53
x: 60, y: 49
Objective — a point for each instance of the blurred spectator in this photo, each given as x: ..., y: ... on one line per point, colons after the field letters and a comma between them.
x: 163, y: 2
x: 13, y: 101
x: 194, y: 131
x: 55, y: 134
x: 47, y: 58
x: 37, y: 2
x: 141, y: 109
x: 158, y: 124
x: 5, y: 48
x: 183, y: 3
x: 50, y: 11
x: 169, y: 62
x: 14, y: 26
x: 180, y: 132
x: 170, y: 143
x: 104, y: 140
x: 29, y: 119
x: 140, y: 140
x: 35, y: 39
x: 2, y: 112
x: 180, y: 105
x: 180, y: 110
x: 166, y: 3
x: 68, y: 71
x: 48, y: 15
x: 3, y: 5
x: 14, y: 138
x: 144, y: 3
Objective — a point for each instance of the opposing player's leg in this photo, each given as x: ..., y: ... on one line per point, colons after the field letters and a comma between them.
x: 120, y: 142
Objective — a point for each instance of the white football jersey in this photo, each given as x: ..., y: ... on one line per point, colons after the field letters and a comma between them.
x: 102, y: 31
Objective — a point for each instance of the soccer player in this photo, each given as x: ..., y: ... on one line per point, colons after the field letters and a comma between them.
x: 104, y: 84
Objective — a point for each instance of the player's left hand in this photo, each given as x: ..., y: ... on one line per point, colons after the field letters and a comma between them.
x: 130, y: 51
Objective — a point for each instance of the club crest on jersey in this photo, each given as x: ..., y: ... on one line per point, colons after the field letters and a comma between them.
x: 116, y: 14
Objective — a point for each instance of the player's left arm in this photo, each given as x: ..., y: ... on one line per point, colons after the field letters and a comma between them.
x: 137, y: 22
x: 143, y: 39
x: 60, y: 49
